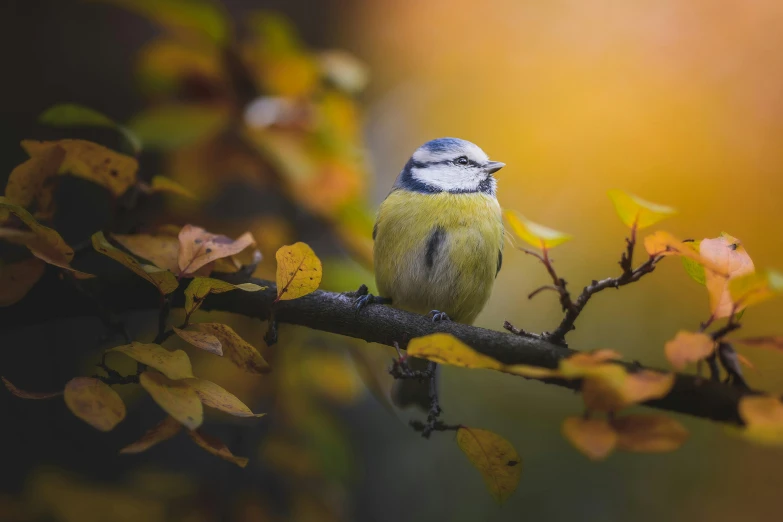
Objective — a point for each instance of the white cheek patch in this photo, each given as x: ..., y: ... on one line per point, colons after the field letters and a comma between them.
x: 446, y: 177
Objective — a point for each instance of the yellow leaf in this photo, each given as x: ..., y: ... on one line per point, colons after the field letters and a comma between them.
x: 164, y: 184
x: 201, y: 340
x: 763, y: 417
x: 754, y: 288
x: 646, y: 385
x: 595, y: 365
x: 216, y: 397
x: 494, y: 457
x: 200, y: 287
x: 197, y: 247
x: 26, y: 394
x: 93, y: 162
x: 16, y: 279
x: 163, y: 64
x: 613, y: 394
x: 446, y: 349
x: 178, y: 125
x: 160, y: 250
x: 532, y: 233
x: 595, y: 438
x: 26, y: 182
x: 649, y: 433
x: 174, y: 365
x: 164, y: 280
x: 299, y: 271
x: 175, y: 398
x: 94, y: 402
x: 333, y: 375
x: 688, y: 347
x: 45, y: 243
x: 634, y: 211
x: 533, y: 372
x: 164, y: 430
x: 235, y: 348
x: 728, y: 254
x: 216, y: 447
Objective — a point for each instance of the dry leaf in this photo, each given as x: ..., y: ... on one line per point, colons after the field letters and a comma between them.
x: 45, y: 243
x: 164, y: 184
x: 768, y: 342
x: 26, y: 394
x: 688, y: 347
x: 175, y: 398
x: 649, y: 433
x: 533, y: 234
x: 200, y: 287
x: 16, y: 279
x: 164, y: 280
x: 174, y: 365
x: 728, y: 254
x: 201, y: 340
x: 446, y: 349
x: 235, y: 348
x: 215, y: 396
x: 533, y: 372
x: 164, y: 430
x: 197, y: 247
x: 26, y: 182
x: 636, y: 212
x: 84, y: 159
x: 494, y: 457
x: 94, y: 402
x: 160, y: 250
x: 299, y: 271
x: 595, y: 438
x: 216, y: 447
x: 763, y: 417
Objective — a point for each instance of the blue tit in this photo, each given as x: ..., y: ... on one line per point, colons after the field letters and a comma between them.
x: 439, y: 239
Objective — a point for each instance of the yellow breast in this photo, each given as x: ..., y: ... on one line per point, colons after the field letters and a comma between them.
x: 457, y: 275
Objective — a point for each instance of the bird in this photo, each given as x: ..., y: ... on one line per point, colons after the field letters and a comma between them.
x: 438, y: 241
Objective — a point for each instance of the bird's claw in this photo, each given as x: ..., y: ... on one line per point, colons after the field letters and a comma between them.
x: 367, y: 299
x: 436, y: 316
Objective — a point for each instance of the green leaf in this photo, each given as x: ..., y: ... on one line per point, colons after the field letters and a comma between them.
x: 75, y: 115
x: 635, y: 211
x: 694, y: 269
x: 172, y: 126
x: 534, y: 234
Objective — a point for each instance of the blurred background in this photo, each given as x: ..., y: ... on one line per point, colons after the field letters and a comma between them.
x: 678, y: 102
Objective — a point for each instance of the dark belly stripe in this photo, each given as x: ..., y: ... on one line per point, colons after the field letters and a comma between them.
x: 433, y: 245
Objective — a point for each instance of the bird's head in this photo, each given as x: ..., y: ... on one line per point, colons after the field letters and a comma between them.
x: 449, y: 165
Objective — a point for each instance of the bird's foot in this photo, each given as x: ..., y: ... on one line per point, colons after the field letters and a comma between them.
x: 438, y: 316
x: 364, y: 298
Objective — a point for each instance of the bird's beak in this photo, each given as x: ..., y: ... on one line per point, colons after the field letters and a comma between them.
x: 493, y: 166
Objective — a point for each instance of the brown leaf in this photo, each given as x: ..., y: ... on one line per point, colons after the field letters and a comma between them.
x: 495, y: 458
x: 94, y: 402
x: 174, y: 365
x: 16, y: 279
x: 216, y: 447
x: 163, y: 280
x: 175, y: 397
x: 29, y: 395
x: 84, y: 159
x: 201, y: 340
x: 164, y: 430
x: 595, y: 438
x: 235, y: 348
x: 299, y: 271
x: 767, y: 342
x: 649, y: 433
x: 26, y: 182
x: 217, y: 397
x: 688, y: 347
x: 197, y: 247
x: 160, y: 250
x: 45, y: 243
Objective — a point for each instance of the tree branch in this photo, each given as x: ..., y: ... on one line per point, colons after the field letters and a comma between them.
x: 335, y: 313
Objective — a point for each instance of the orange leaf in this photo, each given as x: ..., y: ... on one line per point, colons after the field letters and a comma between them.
x: 595, y: 438
x: 763, y: 416
x: 649, y: 433
x: 164, y: 430
x: 728, y: 254
x: 197, y: 247
x: 608, y: 395
x: 94, y: 402
x: 688, y: 347
x: 299, y: 271
x: 28, y: 395
x: 216, y: 447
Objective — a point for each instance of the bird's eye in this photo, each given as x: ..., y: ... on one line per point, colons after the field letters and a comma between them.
x: 462, y: 160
